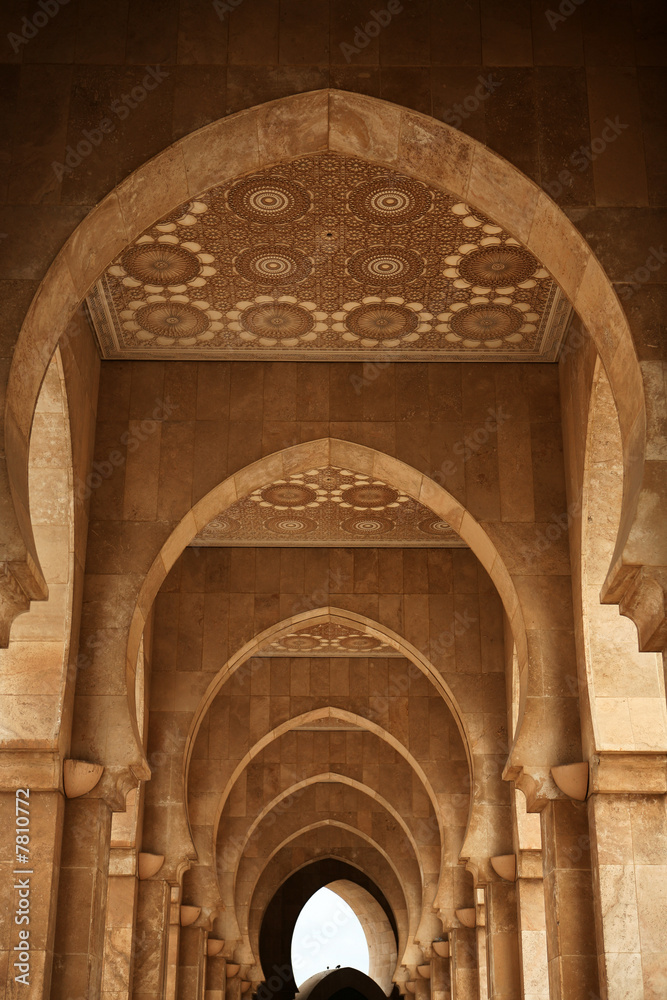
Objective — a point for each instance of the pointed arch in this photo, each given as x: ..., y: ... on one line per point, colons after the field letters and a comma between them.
x: 313, y: 716
x: 343, y: 779
x: 359, y: 458
x: 263, y: 136
x: 407, y: 947
x: 382, y: 953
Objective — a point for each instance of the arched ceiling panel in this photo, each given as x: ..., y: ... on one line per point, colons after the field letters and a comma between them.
x: 328, y: 506
x: 328, y: 257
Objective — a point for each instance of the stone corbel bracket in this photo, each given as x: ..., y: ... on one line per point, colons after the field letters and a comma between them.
x: 572, y: 779
x: 467, y: 916
x: 80, y: 777
x: 504, y: 865
x: 149, y: 865
x: 441, y: 949
x: 189, y: 914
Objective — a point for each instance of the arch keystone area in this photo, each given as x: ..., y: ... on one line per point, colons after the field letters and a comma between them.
x: 381, y: 133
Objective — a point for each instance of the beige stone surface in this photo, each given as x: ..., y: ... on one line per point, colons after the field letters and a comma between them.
x: 508, y: 664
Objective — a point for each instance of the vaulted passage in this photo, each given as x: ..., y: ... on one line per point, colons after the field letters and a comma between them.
x: 334, y: 422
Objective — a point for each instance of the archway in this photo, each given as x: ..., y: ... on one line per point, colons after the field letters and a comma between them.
x: 281, y: 913
x: 327, y: 935
x: 382, y: 133
x: 300, y: 458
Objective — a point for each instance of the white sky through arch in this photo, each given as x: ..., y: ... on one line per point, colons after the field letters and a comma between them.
x: 327, y: 933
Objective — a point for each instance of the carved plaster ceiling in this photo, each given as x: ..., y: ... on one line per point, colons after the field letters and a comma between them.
x: 328, y: 639
x: 327, y: 257
x: 328, y: 506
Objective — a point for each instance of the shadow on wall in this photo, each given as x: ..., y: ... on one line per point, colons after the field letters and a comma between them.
x: 341, y: 984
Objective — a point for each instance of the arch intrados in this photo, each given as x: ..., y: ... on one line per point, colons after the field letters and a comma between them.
x: 317, y: 826
x: 44, y: 628
x: 331, y: 777
x: 326, y: 857
x: 258, y: 913
x: 609, y: 638
x: 299, y: 458
x: 313, y: 716
x: 317, y: 616
x: 353, y: 124
x: 252, y: 934
x: 376, y: 927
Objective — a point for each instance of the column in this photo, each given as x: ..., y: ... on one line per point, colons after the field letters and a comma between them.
x: 568, y: 894
x: 151, y: 940
x: 173, y: 938
x: 440, y: 980
x: 629, y: 851
x: 480, y: 934
x: 216, y: 978
x: 32, y: 826
x: 82, y: 896
x: 119, y: 931
x: 192, y: 964
x: 463, y: 953
x: 532, y: 920
x: 502, y: 941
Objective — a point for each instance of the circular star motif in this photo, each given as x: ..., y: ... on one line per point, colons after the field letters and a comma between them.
x: 268, y: 199
x: 277, y: 320
x: 382, y: 321
x: 273, y: 265
x: 491, y: 322
x: 385, y: 267
x: 359, y: 643
x: 172, y: 319
x: 222, y: 525
x: 498, y: 266
x: 290, y: 525
x: 160, y: 264
x: 435, y: 527
x: 329, y: 479
x: 298, y: 642
x: 367, y: 526
x: 370, y: 496
x: 289, y: 495
x: 394, y: 200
